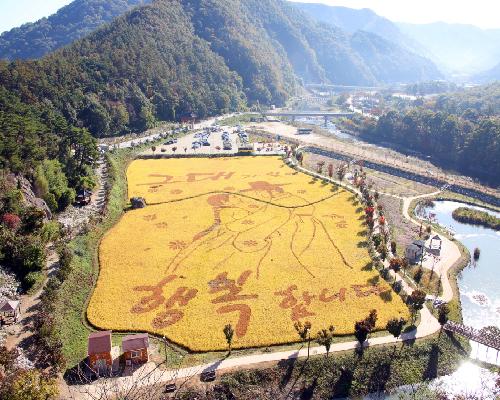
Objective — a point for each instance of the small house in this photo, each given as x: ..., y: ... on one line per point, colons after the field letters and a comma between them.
x: 9, y: 311
x: 435, y: 245
x: 304, y: 131
x: 99, y: 351
x: 415, y: 251
x: 135, y: 348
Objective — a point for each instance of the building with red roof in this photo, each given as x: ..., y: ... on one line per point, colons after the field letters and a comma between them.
x: 135, y: 348
x: 99, y: 351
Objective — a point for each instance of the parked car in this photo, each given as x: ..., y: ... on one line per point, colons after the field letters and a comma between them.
x: 207, y: 376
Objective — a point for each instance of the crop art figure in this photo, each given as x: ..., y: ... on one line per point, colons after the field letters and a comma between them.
x: 250, y: 228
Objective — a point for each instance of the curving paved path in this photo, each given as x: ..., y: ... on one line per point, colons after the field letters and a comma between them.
x: 149, y: 374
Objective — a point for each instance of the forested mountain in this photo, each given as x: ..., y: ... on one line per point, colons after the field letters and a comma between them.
x: 173, y: 58
x: 458, y: 48
x: 352, y: 20
x: 458, y: 130
x: 490, y: 75
x: 388, y: 55
x: 79, y: 18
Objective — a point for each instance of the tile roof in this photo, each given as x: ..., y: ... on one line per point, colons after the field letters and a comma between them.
x: 99, y: 342
x: 9, y: 305
x: 135, y: 342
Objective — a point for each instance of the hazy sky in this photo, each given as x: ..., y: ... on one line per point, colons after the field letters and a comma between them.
x: 17, y: 12
x: 483, y: 13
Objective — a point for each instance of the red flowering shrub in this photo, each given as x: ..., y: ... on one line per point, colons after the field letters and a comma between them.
x: 12, y: 221
x: 369, y: 210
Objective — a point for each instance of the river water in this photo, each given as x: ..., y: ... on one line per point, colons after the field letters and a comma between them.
x: 479, y: 283
x: 330, y: 127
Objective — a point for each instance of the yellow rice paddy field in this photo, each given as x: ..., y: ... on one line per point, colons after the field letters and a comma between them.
x: 246, y: 241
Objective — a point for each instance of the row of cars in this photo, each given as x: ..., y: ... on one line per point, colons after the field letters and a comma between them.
x: 202, y: 139
x: 226, y: 142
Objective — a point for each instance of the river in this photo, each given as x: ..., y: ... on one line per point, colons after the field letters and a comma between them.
x: 479, y: 283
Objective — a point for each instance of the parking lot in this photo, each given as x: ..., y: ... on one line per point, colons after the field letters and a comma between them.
x: 220, y: 140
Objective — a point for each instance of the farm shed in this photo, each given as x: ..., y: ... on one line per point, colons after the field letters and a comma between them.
x: 135, y: 348
x: 99, y: 351
x: 9, y: 311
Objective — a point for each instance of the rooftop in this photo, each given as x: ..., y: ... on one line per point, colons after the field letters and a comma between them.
x: 135, y: 342
x: 9, y: 305
x: 99, y: 342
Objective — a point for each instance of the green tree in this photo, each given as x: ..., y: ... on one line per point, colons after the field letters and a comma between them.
x: 32, y: 385
x: 363, y: 328
x: 229, y: 333
x: 395, y: 326
x: 443, y: 312
x: 304, y: 332
x: 325, y: 338
x: 395, y: 264
x: 416, y: 302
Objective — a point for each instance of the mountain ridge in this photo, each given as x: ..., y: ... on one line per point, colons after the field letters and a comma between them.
x: 71, y: 22
x: 176, y: 57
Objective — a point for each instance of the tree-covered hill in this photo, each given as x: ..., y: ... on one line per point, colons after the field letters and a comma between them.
x: 79, y: 18
x: 176, y: 57
x: 352, y: 20
x: 457, y: 130
x: 146, y: 65
x: 490, y: 75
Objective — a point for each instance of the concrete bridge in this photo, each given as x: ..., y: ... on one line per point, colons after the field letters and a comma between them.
x: 343, y: 88
x: 327, y: 115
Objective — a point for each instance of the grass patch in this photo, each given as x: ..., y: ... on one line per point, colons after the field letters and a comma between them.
x: 74, y: 292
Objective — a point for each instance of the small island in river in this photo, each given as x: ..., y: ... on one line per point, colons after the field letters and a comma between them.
x: 476, y: 217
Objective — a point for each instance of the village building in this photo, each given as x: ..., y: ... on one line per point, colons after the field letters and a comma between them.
x: 415, y: 251
x: 135, y: 349
x: 99, y: 352
x: 10, y: 311
x: 435, y: 244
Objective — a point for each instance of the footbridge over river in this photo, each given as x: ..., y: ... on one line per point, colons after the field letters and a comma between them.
x: 327, y: 115
x: 482, y: 336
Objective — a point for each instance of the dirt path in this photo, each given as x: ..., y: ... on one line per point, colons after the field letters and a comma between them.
x: 450, y: 253
x: 19, y: 335
x: 149, y: 374
x: 75, y: 218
